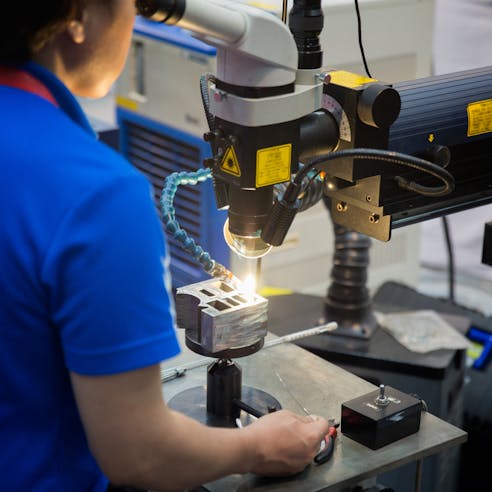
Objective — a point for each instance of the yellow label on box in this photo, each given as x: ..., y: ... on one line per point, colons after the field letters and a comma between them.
x: 479, y: 117
x: 127, y: 103
x: 273, y: 165
x: 349, y: 79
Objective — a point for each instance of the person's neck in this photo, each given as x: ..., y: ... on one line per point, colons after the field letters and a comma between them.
x: 50, y: 58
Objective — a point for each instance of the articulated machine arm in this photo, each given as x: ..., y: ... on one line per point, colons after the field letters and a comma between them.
x: 445, y: 119
x: 273, y: 106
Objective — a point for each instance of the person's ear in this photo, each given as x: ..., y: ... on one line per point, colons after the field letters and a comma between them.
x: 76, y: 28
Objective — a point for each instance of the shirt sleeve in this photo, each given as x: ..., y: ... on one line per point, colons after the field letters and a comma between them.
x: 108, y: 280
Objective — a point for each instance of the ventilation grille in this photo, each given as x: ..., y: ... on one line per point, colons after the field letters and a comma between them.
x: 157, y: 155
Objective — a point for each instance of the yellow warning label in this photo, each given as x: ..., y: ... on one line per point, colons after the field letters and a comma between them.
x: 127, y: 103
x: 229, y: 163
x: 349, y: 79
x: 273, y: 165
x: 274, y: 291
x: 479, y: 117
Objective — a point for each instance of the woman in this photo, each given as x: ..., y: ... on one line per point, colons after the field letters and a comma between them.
x: 85, y: 316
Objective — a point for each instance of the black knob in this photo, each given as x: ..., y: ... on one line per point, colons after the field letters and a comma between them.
x: 379, y: 105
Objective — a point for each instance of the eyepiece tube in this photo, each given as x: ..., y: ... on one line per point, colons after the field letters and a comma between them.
x: 208, y: 19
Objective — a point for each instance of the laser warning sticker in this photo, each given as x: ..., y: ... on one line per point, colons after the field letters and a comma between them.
x: 479, y: 117
x: 229, y: 163
x: 273, y: 165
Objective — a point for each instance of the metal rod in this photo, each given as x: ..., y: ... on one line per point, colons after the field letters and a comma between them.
x: 179, y: 371
x: 247, y: 408
x: 298, y: 335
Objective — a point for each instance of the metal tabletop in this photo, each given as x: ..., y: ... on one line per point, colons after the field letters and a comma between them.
x: 303, y: 382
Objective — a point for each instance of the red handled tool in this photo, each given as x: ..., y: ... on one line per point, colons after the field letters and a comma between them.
x: 327, y: 451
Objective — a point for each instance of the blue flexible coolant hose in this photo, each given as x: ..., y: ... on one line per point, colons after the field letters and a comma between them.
x: 171, y: 184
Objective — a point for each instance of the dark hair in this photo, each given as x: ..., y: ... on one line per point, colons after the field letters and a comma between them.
x: 27, y: 25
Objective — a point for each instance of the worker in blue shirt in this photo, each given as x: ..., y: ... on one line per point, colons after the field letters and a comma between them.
x: 85, y: 311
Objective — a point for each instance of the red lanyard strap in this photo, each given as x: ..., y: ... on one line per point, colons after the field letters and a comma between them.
x: 20, y: 79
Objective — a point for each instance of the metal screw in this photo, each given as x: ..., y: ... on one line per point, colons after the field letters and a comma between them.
x: 368, y: 198
x: 373, y: 218
x: 324, y: 77
x: 342, y: 207
x: 219, y: 96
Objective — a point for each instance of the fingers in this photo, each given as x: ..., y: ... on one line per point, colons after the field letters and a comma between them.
x: 318, y: 423
x: 321, y: 425
x: 287, y: 442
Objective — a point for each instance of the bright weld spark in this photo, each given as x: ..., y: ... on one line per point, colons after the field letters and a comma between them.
x: 249, y: 285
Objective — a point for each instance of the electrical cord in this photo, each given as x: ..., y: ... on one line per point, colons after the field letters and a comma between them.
x: 284, y: 11
x: 312, y: 191
x: 288, y: 204
x: 204, y: 83
x: 416, y: 163
x: 451, y: 263
x: 361, y: 44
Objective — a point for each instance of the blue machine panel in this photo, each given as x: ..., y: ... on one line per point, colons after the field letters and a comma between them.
x: 159, y: 150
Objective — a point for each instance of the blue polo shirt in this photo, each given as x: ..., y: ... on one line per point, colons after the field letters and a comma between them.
x: 83, y: 283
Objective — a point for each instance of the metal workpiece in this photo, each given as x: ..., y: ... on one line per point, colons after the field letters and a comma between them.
x: 168, y: 374
x: 221, y: 319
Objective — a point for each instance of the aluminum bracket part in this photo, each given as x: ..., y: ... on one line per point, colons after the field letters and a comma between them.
x: 218, y: 315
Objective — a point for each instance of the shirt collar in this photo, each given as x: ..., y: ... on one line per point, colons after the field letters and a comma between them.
x: 60, y: 92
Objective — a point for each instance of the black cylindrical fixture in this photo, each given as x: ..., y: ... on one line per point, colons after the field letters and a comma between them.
x: 348, y: 301
x: 379, y: 105
x: 248, y: 209
x: 279, y: 221
x: 166, y: 11
x: 223, y: 388
x: 306, y: 24
x: 319, y: 134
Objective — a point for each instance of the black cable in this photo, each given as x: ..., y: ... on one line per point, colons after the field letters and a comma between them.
x: 284, y: 11
x: 361, y: 44
x: 386, y: 156
x: 451, y: 264
x: 312, y: 193
x: 204, y: 83
x: 309, y: 195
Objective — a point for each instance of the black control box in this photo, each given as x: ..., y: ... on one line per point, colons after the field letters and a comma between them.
x: 381, y: 417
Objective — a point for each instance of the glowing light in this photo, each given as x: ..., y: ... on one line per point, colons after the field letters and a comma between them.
x: 249, y: 285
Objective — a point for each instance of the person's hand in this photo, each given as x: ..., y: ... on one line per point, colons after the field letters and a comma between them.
x: 285, y: 442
